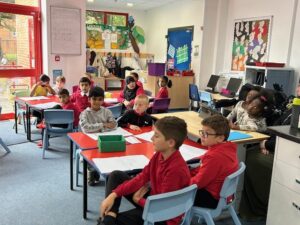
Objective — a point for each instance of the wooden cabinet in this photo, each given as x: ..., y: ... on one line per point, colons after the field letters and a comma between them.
x: 284, y: 203
x: 179, y: 92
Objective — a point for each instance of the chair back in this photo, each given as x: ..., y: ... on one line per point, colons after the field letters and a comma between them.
x: 169, y: 205
x: 59, y: 116
x: 148, y: 93
x: 161, y: 105
x: 231, y: 182
x: 75, y: 88
x: 116, y: 110
x: 194, y: 93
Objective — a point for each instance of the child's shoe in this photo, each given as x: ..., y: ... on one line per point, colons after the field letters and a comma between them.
x: 40, y: 144
x: 41, y: 125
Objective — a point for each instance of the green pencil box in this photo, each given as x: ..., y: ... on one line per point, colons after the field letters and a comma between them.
x: 111, y: 143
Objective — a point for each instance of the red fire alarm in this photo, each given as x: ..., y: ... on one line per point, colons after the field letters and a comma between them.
x: 57, y: 58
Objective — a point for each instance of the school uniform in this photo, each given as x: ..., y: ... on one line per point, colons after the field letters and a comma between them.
x: 92, y: 121
x: 163, y: 93
x: 81, y: 100
x: 164, y: 176
x: 41, y: 91
x: 130, y: 94
x: 217, y: 163
x: 131, y: 117
x: 71, y: 106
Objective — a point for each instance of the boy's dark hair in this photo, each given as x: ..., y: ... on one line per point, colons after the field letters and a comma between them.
x: 219, y: 124
x: 135, y: 75
x: 96, y: 92
x: 44, y: 78
x: 85, y: 80
x: 174, y: 128
x: 64, y: 92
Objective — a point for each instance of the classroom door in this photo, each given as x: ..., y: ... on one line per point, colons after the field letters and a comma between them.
x: 20, y: 50
x: 179, y: 48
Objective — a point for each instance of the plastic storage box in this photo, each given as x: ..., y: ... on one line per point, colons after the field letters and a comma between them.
x: 111, y: 143
x: 156, y: 69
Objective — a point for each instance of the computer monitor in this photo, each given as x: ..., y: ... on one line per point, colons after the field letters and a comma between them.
x: 212, y: 83
x: 234, y: 85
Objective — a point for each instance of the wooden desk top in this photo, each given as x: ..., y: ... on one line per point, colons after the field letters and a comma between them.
x: 193, y: 121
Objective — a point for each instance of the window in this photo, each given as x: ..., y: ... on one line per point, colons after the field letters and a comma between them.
x: 20, y: 47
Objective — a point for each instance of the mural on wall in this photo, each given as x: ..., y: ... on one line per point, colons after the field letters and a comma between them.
x: 250, y: 42
x: 107, y: 30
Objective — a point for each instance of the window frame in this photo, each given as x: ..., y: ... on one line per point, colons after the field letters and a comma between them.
x: 111, y: 13
x: 35, y: 12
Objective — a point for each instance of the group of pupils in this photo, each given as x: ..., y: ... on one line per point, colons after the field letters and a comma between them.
x: 167, y: 171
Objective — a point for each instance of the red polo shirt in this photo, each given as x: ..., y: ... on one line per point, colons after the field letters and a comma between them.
x: 82, y: 102
x: 216, y: 164
x: 163, y: 93
x: 72, y: 106
x: 164, y: 175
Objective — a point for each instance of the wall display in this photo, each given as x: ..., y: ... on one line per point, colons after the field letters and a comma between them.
x: 65, y: 31
x: 250, y: 42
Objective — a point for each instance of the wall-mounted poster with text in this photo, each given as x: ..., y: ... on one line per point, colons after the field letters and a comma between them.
x: 250, y: 42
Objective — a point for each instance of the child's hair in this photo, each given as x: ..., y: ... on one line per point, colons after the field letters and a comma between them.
x: 60, y: 79
x: 135, y: 75
x: 63, y: 92
x: 129, y: 80
x: 264, y: 106
x: 142, y: 97
x: 44, y: 78
x: 167, y: 81
x: 219, y: 124
x: 96, y: 92
x: 174, y: 128
x: 85, y: 80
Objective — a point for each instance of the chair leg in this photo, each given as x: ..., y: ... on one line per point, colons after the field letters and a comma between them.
x: 77, y: 161
x: 45, y: 141
x: 208, y: 219
x: 234, y: 216
x: 4, y: 145
x: 24, y: 122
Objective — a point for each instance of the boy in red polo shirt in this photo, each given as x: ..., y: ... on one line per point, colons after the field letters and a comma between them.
x: 80, y: 97
x: 64, y: 98
x: 216, y: 164
x: 167, y: 171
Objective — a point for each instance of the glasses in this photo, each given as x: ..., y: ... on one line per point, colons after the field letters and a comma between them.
x: 205, y: 134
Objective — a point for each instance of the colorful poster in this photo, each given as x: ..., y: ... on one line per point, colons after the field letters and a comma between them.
x: 250, y: 43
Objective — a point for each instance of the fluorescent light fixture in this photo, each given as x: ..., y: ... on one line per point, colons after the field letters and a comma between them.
x: 129, y: 4
x: 90, y: 0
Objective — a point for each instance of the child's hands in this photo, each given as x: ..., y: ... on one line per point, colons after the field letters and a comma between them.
x: 140, y: 194
x: 109, y: 125
x: 233, y: 126
x: 126, y: 103
x: 134, y: 127
x: 107, y: 203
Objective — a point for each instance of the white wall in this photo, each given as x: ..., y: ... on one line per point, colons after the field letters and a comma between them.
x: 177, y: 14
x: 73, y: 67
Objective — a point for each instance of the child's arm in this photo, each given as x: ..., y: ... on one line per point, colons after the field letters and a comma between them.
x: 88, y: 125
x: 111, y: 122
x: 50, y: 89
x: 34, y: 89
x: 123, y: 121
x: 121, y: 97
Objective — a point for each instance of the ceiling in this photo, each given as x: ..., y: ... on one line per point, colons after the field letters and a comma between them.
x: 122, y: 4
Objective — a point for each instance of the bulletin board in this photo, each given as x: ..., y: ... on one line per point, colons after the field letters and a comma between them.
x: 65, y: 28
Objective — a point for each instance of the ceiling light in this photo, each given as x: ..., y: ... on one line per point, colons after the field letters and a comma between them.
x: 90, y: 0
x: 129, y: 4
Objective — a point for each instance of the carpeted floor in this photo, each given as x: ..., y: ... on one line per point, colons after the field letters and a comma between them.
x: 36, y: 191
x: 8, y: 135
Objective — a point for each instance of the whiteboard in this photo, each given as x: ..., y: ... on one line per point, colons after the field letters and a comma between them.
x: 65, y: 28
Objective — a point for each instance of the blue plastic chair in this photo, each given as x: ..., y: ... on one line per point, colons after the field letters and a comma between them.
x: 194, y: 96
x: 228, y: 191
x: 116, y: 110
x: 160, y: 105
x: 169, y: 205
x: 1, y: 141
x: 56, y: 117
x: 21, y: 112
x: 206, y: 101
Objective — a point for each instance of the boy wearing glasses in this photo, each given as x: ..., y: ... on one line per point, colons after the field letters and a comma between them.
x: 217, y: 163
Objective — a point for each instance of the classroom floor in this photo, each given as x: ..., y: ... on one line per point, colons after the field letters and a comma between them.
x: 36, y: 191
